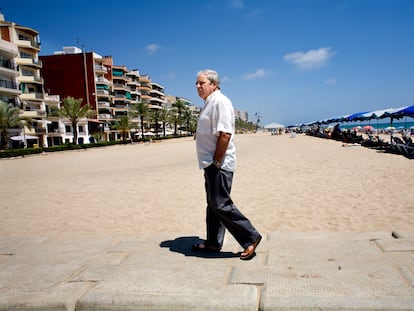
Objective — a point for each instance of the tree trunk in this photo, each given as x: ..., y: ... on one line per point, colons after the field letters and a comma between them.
x: 142, y: 128
x: 75, y: 132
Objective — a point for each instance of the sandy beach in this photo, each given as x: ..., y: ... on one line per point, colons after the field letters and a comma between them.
x: 281, y: 183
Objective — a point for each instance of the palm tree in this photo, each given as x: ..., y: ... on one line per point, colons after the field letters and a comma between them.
x: 124, y: 125
x: 10, y: 117
x: 174, y: 118
x: 164, y: 117
x: 155, y: 116
x: 140, y: 110
x: 74, y: 111
x: 189, y: 120
x: 180, y: 106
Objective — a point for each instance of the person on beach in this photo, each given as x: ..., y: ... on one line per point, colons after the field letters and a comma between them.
x: 216, y: 156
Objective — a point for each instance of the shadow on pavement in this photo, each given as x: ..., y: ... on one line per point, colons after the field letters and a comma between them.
x: 183, y: 246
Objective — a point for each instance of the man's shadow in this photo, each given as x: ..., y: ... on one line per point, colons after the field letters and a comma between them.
x: 183, y: 245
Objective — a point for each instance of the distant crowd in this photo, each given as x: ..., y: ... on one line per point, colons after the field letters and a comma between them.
x: 400, y: 145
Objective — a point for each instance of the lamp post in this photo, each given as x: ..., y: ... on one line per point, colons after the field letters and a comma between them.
x: 101, y: 130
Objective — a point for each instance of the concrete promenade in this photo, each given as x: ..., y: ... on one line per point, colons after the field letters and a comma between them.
x: 292, y: 271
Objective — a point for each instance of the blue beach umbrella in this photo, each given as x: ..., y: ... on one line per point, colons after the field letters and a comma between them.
x: 403, y: 112
x: 356, y: 116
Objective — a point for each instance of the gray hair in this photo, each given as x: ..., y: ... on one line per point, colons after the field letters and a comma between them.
x: 211, y: 75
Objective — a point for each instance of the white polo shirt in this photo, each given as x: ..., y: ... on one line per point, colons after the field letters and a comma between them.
x: 216, y: 116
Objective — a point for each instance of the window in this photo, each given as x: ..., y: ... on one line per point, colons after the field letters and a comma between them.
x: 27, y: 73
x: 25, y: 55
x: 23, y: 37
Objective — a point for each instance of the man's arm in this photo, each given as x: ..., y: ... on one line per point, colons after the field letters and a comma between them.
x: 221, y: 147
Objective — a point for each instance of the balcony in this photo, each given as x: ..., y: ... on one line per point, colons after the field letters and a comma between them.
x: 8, y: 66
x: 102, y: 80
x: 9, y: 87
x: 146, y: 97
x: 55, y: 133
x: 52, y: 100
x: 32, y: 96
x: 29, y: 62
x: 101, y: 69
x: 30, y: 79
x: 28, y: 44
x: 30, y: 113
x: 102, y: 104
x: 156, y: 93
x: 157, y: 101
x: 120, y: 86
x: 102, y: 93
x: 133, y: 83
x: 135, y: 92
x: 8, y: 48
x: 144, y: 88
x: 104, y: 116
x: 145, y: 79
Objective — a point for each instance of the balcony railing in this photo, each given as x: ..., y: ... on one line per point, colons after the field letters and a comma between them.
x: 104, y: 116
x: 31, y: 79
x: 102, y: 80
x: 29, y: 44
x: 101, y: 68
x: 32, y: 96
x: 8, y: 84
x: 9, y: 64
x: 102, y: 92
x: 103, y: 104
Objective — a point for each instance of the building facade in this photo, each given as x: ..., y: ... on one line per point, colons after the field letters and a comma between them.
x: 22, y: 83
x: 38, y: 85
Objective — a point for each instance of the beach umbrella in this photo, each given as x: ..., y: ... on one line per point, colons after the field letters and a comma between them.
x: 403, y: 112
x: 367, y: 128
x: 356, y: 117
x: 274, y: 125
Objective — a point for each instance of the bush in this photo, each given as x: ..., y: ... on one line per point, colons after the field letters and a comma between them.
x: 19, y: 152
x: 22, y: 152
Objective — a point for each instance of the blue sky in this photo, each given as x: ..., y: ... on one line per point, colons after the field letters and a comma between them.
x: 291, y: 61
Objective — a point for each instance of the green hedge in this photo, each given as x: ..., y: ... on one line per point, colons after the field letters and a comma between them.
x: 11, y: 153
x: 22, y: 152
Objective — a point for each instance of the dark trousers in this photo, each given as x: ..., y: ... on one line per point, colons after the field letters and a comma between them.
x: 222, y: 213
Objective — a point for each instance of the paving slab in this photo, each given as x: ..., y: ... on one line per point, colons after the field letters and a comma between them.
x: 292, y: 271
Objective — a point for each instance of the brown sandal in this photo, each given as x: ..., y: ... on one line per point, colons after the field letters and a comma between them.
x: 249, y: 251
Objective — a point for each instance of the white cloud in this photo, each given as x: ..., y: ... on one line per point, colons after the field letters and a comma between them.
x: 311, y: 59
x: 330, y: 81
x: 225, y: 78
x: 259, y: 73
x: 254, y: 13
x: 238, y: 4
x: 152, y: 48
x: 170, y: 75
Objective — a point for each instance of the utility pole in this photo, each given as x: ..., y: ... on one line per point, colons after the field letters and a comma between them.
x: 258, y: 116
x: 85, y: 69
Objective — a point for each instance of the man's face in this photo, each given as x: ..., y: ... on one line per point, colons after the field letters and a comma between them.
x: 204, y: 86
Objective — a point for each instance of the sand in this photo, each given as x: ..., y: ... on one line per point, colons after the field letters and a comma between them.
x: 281, y: 183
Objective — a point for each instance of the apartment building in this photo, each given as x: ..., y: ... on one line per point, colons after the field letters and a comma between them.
x: 111, y: 90
x: 27, y: 80
x: 241, y: 115
x: 21, y: 83
x: 9, y: 92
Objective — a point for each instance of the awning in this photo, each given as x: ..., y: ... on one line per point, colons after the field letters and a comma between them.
x: 274, y: 126
x: 22, y: 137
